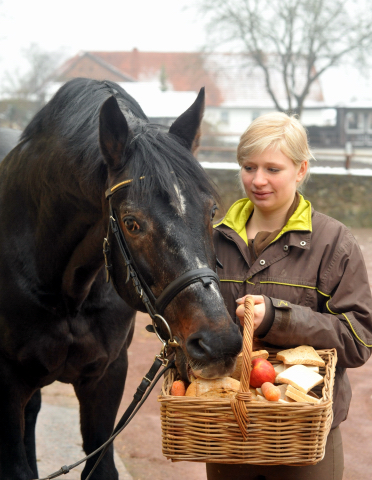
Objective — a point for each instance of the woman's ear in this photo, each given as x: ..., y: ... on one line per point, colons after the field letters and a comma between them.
x: 302, y: 171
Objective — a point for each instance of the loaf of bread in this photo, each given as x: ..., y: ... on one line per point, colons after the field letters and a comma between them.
x: 225, y: 387
x: 302, y: 355
x: 298, y: 396
x: 300, y: 377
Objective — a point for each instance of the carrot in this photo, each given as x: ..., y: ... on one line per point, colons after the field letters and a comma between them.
x: 270, y: 391
x: 178, y: 388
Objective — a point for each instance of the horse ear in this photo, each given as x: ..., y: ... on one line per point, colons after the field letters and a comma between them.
x: 187, y: 125
x: 113, y: 133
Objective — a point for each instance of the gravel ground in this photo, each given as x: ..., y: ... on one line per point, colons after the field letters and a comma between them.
x: 58, y: 445
x: 139, y: 445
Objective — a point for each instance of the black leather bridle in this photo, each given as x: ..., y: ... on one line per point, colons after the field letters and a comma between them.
x: 154, y: 306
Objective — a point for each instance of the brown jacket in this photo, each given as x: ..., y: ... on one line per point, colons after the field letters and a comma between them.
x: 314, y: 274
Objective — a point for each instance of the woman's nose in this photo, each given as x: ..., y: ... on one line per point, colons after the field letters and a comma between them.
x: 259, y: 178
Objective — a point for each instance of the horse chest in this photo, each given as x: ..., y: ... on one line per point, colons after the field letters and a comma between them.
x: 73, y: 348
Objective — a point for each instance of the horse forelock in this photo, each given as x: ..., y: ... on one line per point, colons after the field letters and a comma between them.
x: 165, y: 166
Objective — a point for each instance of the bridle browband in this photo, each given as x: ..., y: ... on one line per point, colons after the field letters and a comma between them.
x: 154, y: 306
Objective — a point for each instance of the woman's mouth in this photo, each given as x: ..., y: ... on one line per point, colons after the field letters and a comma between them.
x: 261, y: 195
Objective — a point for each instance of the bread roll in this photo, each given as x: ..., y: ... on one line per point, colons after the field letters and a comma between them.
x: 219, y: 387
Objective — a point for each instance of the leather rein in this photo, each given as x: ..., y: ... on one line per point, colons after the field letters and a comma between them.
x: 154, y: 306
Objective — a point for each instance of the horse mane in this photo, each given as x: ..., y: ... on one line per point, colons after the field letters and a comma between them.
x: 159, y: 158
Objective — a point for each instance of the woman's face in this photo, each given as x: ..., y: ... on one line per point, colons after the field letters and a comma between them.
x: 270, y: 180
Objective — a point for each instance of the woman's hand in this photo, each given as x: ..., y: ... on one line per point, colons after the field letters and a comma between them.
x: 259, y: 309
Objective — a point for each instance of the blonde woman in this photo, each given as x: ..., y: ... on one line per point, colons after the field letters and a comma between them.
x: 304, y: 269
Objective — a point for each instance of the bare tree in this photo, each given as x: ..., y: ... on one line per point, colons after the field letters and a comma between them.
x: 293, y: 40
x: 24, y: 92
x: 31, y: 84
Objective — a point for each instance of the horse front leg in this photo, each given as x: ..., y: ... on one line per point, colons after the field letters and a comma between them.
x: 31, y: 412
x: 14, y: 396
x: 99, y: 403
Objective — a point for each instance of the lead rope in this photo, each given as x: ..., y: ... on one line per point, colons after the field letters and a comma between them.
x: 143, y: 391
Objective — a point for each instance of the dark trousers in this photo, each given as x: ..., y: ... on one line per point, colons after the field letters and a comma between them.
x: 330, y: 468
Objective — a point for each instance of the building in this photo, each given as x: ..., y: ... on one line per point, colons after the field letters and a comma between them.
x: 235, y: 88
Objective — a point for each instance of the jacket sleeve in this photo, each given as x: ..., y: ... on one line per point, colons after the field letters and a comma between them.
x: 345, y: 319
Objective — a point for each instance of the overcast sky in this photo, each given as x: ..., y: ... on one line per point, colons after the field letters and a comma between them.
x: 74, y: 25
x: 149, y: 25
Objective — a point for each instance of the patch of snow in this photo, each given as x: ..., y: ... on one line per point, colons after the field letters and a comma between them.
x: 363, y: 172
x: 156, y: 103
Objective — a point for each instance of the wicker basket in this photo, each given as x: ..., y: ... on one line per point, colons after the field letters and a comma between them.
x: 239, y: 430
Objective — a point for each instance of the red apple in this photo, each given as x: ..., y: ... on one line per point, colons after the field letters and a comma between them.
x: 262, y: 371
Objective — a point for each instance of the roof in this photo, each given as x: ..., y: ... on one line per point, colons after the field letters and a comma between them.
x: 83, y: 64
x: 183, y: 71
x: 230, y: 79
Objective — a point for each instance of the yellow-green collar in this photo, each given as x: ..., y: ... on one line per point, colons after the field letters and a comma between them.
x: 239, y: 212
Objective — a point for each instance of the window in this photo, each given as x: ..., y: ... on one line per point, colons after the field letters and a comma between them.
x: 355, y: 122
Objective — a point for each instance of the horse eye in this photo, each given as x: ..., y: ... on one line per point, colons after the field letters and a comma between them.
x: 213, y: 211
x: 130, y: 224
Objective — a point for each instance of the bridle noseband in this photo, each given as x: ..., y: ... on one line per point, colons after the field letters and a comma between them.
x: 154, y: 306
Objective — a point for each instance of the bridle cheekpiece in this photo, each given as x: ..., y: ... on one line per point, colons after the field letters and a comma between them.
x: 154, y: 306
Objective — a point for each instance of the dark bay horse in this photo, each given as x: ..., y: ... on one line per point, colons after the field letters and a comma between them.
x: 59, y: 318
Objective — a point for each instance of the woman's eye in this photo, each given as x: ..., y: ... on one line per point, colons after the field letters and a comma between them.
x: 130, y: 224
x: 274, y: 170
x: 248, y: 169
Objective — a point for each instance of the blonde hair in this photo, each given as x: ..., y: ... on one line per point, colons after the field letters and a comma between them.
x: 279, y: 131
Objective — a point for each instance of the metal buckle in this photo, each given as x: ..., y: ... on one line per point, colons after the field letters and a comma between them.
x: 162, y: 356
x: 171, y: 342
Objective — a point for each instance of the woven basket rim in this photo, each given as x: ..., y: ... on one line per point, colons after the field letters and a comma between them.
x: 331, y: 352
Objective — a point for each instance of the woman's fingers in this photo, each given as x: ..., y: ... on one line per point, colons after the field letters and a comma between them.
x: 240, y: 313
x: 256, y: 298
x: 259, y: 309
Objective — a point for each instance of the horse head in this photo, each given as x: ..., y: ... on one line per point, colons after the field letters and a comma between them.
x: 161, y: 206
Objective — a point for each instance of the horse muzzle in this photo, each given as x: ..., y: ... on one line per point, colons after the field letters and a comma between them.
x: 209, y: 354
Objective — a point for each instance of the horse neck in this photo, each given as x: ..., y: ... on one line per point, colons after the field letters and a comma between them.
x: 64, y: 215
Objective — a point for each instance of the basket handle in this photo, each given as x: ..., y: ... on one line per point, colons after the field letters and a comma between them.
x: 247, y: 344
x: 238, y: 403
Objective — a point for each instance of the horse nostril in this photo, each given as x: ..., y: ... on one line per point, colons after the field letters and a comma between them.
x: 198, y: 347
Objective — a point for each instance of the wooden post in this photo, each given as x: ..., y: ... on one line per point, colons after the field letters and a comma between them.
x: 348, y: 154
